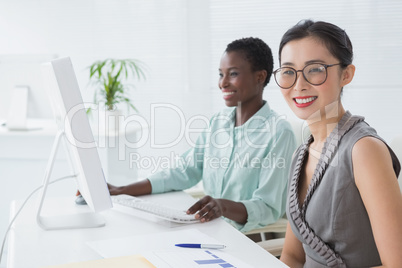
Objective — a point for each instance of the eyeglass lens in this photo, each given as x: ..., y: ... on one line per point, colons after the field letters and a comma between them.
x: 315, y: 74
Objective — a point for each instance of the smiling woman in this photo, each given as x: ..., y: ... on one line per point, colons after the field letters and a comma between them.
x: 354, y: 177
x: 251, y: 194
x: 310, y: 90
x: 243, y: 75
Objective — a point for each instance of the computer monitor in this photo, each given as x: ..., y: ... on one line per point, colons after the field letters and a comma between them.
x: 21, y: 102
x: 76, y: 134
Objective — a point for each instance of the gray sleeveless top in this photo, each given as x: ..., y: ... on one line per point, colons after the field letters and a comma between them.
x: 332, y: 222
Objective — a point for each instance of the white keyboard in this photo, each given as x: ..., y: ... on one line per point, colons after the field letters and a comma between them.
x: 166, y: 213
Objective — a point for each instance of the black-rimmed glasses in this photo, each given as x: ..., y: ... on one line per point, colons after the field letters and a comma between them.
x: 314, y: 73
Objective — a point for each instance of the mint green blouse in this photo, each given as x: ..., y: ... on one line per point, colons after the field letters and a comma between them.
x: 248, y: 164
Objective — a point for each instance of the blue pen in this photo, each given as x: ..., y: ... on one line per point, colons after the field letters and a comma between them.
x: 206, y: 246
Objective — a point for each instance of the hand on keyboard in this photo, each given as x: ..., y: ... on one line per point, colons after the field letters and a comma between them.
x: 207, y: 208
x: 166, y: 213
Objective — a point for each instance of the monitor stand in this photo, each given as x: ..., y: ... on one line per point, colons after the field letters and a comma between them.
x: 71, y: 221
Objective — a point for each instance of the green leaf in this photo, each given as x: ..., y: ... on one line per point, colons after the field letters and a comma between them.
x: 110, y: 76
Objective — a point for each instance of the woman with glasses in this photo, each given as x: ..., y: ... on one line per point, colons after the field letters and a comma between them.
x: 344, y: 204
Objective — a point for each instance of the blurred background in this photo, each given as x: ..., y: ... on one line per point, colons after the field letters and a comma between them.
x: 181, y: 43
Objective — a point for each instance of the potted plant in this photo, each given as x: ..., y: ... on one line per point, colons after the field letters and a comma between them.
x: 111, y: 88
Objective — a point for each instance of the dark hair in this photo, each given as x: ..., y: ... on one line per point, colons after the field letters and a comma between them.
x: 333, y: 37
x: 257, y: 52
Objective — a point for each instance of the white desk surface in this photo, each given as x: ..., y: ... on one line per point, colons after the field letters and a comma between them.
x: 47, y: 127
x: 30, y: 246
x: 40, y: 127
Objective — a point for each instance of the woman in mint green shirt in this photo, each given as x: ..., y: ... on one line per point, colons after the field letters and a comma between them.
x: 244, y: 154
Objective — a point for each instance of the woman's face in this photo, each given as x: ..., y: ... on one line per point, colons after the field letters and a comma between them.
x: 306, y: 100
x: 237, y: 81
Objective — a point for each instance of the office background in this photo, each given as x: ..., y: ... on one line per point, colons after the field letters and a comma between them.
x: 182, y: 42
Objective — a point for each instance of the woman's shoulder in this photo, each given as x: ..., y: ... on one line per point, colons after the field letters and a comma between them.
x: 369, y: 146
x: 365, y: 142
x: 361, y: 130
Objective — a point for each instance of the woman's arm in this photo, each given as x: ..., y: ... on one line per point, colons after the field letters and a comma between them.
x: 379, y: 189
x: 210, y: 208
x: 293, y: 253
x: 138, y: 188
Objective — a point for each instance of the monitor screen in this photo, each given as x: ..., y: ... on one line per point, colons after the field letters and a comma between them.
x: 75, y: 131
x: 24, y: 70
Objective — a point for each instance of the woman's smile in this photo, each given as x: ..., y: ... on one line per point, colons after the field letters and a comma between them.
x: 302, y: 102
x: 227, y: 94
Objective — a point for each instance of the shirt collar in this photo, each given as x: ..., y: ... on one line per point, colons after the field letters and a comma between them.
x: 257, y: 119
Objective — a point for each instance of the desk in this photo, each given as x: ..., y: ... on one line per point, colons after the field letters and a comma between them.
x: 30, y: 246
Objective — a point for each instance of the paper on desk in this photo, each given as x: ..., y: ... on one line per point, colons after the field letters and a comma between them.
x: 137, y: 261
x: 149, y: 242
x: 160, y: 250
x: 193, y: 258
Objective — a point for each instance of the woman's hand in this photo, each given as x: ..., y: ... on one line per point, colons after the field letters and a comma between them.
x: 208, y: 209
x: 113, y: 190
x: 135, y: 189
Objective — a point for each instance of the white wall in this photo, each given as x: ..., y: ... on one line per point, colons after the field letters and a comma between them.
x: 159, y: 33
x: 181, y: 41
